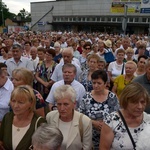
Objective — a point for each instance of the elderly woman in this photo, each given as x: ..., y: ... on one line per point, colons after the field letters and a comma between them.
x: 122, y: 80
x: 115, y: 134
x: 75, y: 127
x: 18, y: 126
x: 98, y: 103
x: 85, y: 78
x: 23, y: 76
x: 47, y: 137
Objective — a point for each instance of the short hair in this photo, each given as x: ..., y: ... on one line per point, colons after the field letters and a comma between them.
x: 41, y: 49
x: 102, y: 60
x: 27, y: 42
x: 47, y: 136
x: 24, y: 91
x: 99, y: 74
x: 64, y: 91
x: 142, y: 56
x: 131, y: 62
x: 95, y: 56
x: 147, y: 64
x: 129, y: 50
x: 131, y: 93
x: 5, y: 49
x: 87, y: 44
x: 51, y: 52
x: 15, y: 46
x: 67, y: 50
x: 68, y: 65
x: 25, y: 74
x: 2, y: 65
x: 120, y: 50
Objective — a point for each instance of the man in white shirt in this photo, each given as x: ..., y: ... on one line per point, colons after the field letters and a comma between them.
x: 6, y: 87
x: 69, y: 73
x: 18, y: 61
x: 67, y: 55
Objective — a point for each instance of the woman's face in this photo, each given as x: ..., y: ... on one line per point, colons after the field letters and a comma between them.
x: 141, y: 63
x: 65, y: 108
x: 3, y: 52
x: 136, y: 108
x: 92, y: 64
x: 17, y: 80
x: 129, y: 55
x: 130, y: 69
x: 48, y: 56
x: 20, y: 104
x: 98, y: 84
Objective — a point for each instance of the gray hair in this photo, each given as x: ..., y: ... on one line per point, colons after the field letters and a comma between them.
x: 147, y: 64
x: 47, y: 136
x: 65, y: 91
x: 68, y: 50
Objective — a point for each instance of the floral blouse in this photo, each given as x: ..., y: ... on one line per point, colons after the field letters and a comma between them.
x: 121, y: 138
x: 97, y: 111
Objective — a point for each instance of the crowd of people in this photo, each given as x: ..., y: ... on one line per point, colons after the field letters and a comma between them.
x: 74, y: 91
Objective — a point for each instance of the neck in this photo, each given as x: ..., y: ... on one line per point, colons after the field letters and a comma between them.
x: 119, y: 62
x: 25, y: 116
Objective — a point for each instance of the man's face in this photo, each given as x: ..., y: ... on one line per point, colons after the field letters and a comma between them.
x: 67, y: 57
x: 68, y: 74
x: 16, y: 53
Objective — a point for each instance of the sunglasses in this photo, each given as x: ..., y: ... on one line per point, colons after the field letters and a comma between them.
x: 87, y: 48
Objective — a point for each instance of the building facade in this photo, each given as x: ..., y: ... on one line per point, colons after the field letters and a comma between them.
x: 90, y: 15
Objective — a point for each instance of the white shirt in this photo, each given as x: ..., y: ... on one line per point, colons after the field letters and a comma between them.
x: 23, y: 62
x: 78, y: 87
x: 5, y: 93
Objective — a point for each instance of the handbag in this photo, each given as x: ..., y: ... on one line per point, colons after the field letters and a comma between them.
x: 108, y: 56
x: 125, y: 124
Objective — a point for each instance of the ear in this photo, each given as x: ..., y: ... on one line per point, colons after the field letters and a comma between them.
x: 75, y: 103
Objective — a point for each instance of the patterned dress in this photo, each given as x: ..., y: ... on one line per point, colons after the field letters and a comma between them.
x: 97, y: 111
x: 85, y: 82
x: 121, y: 138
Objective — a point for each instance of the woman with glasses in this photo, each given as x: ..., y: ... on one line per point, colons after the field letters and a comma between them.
x: 19, y: 125
x: 87, y: 48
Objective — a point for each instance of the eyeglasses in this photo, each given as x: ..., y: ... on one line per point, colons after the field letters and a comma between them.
x: 87, y: 48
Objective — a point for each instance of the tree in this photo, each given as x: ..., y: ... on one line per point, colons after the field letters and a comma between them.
x: 25, y: 15
x: 4, y: 13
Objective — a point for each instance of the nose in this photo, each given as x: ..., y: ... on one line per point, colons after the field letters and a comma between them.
x: 140, y: 105
x: 62, y: 107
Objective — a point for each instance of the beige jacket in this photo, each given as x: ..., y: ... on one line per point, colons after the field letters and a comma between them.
x: 74, y: 140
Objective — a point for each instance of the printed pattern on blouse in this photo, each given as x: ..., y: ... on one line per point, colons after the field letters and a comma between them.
x: 97, y: 111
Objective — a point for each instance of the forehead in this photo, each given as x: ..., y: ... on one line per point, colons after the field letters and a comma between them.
x: 70, y: 69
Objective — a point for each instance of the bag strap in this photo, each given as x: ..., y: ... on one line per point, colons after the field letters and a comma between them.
x: 125, y: 124
x: 37, y: 122
x: 81, y: 127
x: 122, y: 69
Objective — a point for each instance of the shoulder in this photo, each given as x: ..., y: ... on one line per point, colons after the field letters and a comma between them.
x: 52, y: 115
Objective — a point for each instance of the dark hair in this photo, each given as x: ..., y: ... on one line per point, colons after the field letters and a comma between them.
x: 41, y: 49
x: 142, y: 56
x: 27, y: 42
x: 51, y: 52
x: 87, y: 44
x: 99, y: 74
x: 2, y: 65
x: 5, y: 49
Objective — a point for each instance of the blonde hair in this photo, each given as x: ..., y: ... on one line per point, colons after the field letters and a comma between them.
x: 25, y: 74
x: 129, y: 50
x: 132, y: 93
x: 132, y: 63
x: 24, y: 91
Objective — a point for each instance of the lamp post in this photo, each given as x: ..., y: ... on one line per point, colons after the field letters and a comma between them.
x: 124, y: 22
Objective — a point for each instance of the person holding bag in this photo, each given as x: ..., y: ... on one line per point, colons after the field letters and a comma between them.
x: 122, y: 128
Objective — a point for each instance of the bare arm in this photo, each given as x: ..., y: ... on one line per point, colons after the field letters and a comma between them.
x: 106, y: 138
x: 114, y: 89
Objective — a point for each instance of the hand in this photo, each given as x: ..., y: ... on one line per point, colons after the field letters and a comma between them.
x: 97, y: 124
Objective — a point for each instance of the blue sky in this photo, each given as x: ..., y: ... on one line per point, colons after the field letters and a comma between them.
x: 16, y: 5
